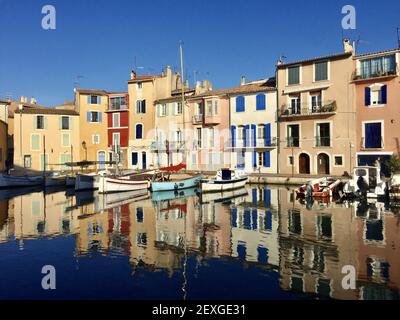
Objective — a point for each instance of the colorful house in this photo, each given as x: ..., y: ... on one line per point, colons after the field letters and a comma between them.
x: 317, y: 115
x: 376, y: 78
x: 253, y: 143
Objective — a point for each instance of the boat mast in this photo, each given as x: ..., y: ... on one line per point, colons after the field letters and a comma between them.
x: 183, y: 103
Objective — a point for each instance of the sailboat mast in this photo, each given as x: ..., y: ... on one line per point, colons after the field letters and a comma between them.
x: 183, y: 104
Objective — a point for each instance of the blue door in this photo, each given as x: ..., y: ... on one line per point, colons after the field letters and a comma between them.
x: 373, y: 135
x: 143, y: 160
x: 102, y: 159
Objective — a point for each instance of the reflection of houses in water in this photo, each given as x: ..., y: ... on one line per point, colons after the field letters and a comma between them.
x: 6, y: 221
x: 378, y: 240
x: 255, y: 227
x: 40, y: 214
x: 316, y: 241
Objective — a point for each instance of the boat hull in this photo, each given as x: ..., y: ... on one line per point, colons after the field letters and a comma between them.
x: 176, y: 185
x: 110, y: 185
x: 86, y: 182
x: 55, y: 181
x: 219, y: 186
x: 7, y: 181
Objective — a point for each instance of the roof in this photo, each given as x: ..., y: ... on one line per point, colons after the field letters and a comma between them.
x: 146, y: 77
x: 5, y: 102
x: 330, y: 57
x: 171, y: 99
x: 377, y: 53
x: 98, y: 91
x: 48, y: 111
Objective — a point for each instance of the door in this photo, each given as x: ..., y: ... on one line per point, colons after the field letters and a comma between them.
x: 144, y: 162
x: 304, y: 163
x: 323, y: 163
x: 27, y: 162
x: 101, y: 157
x: 373, y: 135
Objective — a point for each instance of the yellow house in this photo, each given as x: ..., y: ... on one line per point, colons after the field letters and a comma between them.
x: 3, y: 145
x: 45, y: 138
x: 91, y: 106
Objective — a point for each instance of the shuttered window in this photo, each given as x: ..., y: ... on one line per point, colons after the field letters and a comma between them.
x: 321, y: 71
x: 35, y: 142
x: 293, y: 75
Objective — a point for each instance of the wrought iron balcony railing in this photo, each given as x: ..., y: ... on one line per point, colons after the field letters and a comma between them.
x: 308, y: 109
x: 322, y: 141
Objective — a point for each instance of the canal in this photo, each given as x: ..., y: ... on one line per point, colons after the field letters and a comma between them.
x: 255, y: 243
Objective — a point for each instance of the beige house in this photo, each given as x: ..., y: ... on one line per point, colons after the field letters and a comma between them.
x: 3, y: 145
x: 44, y: 139
x: 316, y: 102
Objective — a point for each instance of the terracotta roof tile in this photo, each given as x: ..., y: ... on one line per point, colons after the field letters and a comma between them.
x: 332, y: 56
x: 48, y: 111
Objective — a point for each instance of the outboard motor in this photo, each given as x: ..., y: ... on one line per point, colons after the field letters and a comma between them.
x: 362, y: 186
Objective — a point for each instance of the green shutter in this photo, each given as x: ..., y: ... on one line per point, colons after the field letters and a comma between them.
x: 34, y: 122
x: 65, y: 140
x: 35, y: 142
x: 45, y: 122
x: 71, y: 122
x: 60, y: 122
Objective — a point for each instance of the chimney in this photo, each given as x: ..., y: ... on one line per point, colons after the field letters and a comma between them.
x: 133, y: 75
x: 347, y: 45
x: 23, y: 99
x: 242, y: 80
x: 187, y: 84
x: 33, y: 100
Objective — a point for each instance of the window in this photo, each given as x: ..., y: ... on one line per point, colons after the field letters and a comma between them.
x: 178, y: 135
x: 290, y: 160
x: 323, y: 135
x: 65, y: 140
x: 93, y: 116
x: 35, y: 142
x: 260, y: 102
x: 241, y: 134
x: 118, y: 103
x: 211, y: 137
x: 116, y: 139
x: 179, y: 108
x: 316, y: 101
x: 94, y: 99
x: 162, y: 110
x: 209, y: 108
x: 141, y: 106
x: 261, y: 131
x: 215, y: 107
x: 142, y: 239
x: 65, y: 123
x: 293, y: 75
x: 240, y: 106
x: 65, y: 158
x: 375, y: 95
x: 338, y: 161
x: 321, y: 71
x: 96, y: 139
x: 139, y: 85
x: 139, y: 131
x: 324, y: 224
x: 377, y: 67
x: 27, y: 161
x: 261, y: 159
x: 116, y: 120
x: 373, y: 135
x: 199, y: 110
x: 134, y: 158
x: 139, y: 215
x: 293, y: 135
x: 198, y: 130
x: 39, y: 122
x: 295, y: 104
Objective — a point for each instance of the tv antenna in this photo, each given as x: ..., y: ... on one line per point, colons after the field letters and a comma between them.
x: 398, y: 37
x: 135, y: 66
x: 76, y: 81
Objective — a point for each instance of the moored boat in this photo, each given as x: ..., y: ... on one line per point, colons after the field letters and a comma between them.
x: 70, y: 181
x: 121, y: 184
x: 319, y: 188
x: 55, y: 180
x: 7, y: 181
x: 176, y: 184
x: 225, y: 179
x: 87, y: 181
x: 367, y: 182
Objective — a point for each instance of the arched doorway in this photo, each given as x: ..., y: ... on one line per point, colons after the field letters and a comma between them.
x: 323, y: 164
x: 304, y: 163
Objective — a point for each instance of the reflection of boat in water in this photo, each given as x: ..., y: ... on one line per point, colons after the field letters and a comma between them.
x: 7, y: 181
x: 173, y: 194
x: 14, y: 192
x: 176, y: 184
x: 225, y: 179
x: 366, y: 182
x: 319, y: 188
x: 88, y: 181
x: 117, y: 199
x: 223, y: 196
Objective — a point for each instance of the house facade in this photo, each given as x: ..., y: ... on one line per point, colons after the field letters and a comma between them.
x: 92, y: 106
x: 376, y: 78
x: 254, y: 127
x: 45, y: 139
x: 316, y: 115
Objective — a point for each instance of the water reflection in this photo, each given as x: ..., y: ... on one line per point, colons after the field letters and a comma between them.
x: 265, y: 231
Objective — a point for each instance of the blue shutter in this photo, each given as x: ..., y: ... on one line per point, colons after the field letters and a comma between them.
x: 267, y: 197
x: 88, y: 99
x: 233, y: 128
x: 246, y: 132
x: 144, y: 106
x: 139, y: 134
x: 267, y: 134
x: 88, y: 118
x: 262, y: 256
x: 260, y: 101
x: 98, y: 99
x: 254, y: 159
x: 134, y: 158
x: 253, y: 129
x: 268, y: 221
x: 254, y: 218
x: 267, y: 158
x: 367, y: 96
x: 254, y: 196
x: 384, y: 94
x: 234, y: 217
x: 100, y: 116
x: 247, y: 219
x: 240, y: 104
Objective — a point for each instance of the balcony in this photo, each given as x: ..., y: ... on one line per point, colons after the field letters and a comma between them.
x: 261, y: 143
x: 375, y: 143
x: 380, y: 71
x: 292, y: 142
x: 212, y: 119
x: 306, y: 110
x: 197, y: 119
x: 167, y: 146
x: 322, y: 141
x: 112, y: 108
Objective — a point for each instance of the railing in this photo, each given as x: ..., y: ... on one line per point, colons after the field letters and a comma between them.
x: 383, y: 70
x: 117, y: 107
x: 307, y: 109
x: 198, y: 118
x: 260, y: 143
x: 166, y: 146
x: 293, y: 142
x: 322, y: 141
x: 377, y: 146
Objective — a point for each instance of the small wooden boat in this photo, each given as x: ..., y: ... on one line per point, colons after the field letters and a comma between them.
x: 121, y: 184
x: 7, y: 181
x: 319, y: 188
x: 225, y: 179
x: 87, y: 181
x: 176, y: 184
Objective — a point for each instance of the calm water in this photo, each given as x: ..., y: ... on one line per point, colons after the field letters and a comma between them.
x: 256, y: 243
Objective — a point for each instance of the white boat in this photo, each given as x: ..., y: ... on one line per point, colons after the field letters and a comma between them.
x: 70, y: 181
x: 7, y: 181
x: 55, y: 180
x: 121, y: 184
x: 366, y: 181
x: 225, y: 179
x: 88, y: 181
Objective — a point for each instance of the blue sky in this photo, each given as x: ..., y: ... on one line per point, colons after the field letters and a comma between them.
x: 99, y: 39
